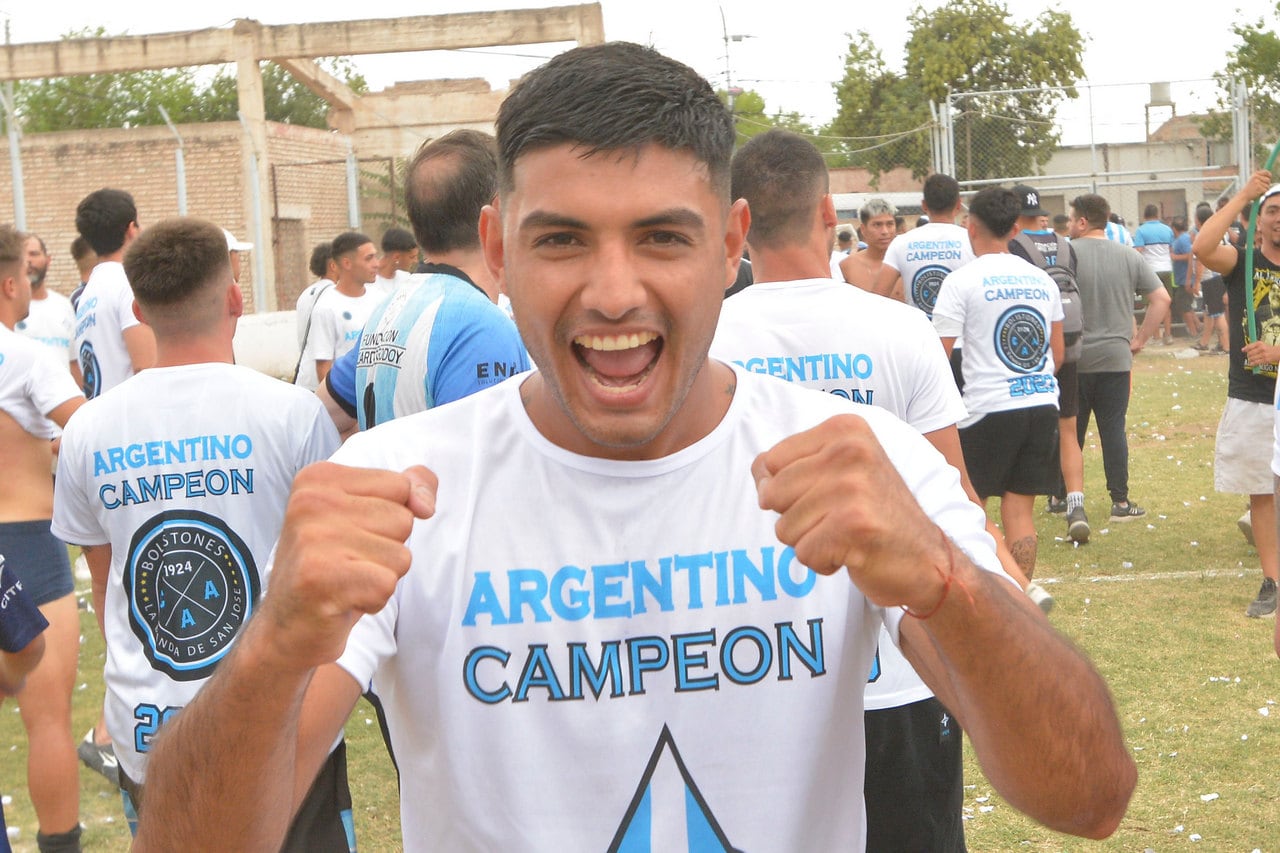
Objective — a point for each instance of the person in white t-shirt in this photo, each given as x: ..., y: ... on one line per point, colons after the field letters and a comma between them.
x: 111, y: 343
x: 339, y: 313
x: 174, y: 484
x: 797, y: 325
x: 52, y: 320
x: 325, y: 270
x: 673, y: 656
x: 37, y: 396
x: 917, y: 262
x: 1009, y: 314
x: 399, y: 258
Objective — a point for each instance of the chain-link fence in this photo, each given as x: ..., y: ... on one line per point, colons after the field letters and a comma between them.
x: 1167, y: 144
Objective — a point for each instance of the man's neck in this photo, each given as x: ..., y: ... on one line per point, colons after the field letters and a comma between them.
x: 349, y: 286
x: 788, y: 263
x: 198, y: 350
x: 471, y: 262
x: 39, y: 291
x: 1094, y: 233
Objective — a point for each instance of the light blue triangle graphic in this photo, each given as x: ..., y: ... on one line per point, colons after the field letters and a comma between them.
x: 668, y: 813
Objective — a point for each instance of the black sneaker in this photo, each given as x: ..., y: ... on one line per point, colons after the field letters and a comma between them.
x: 1078, y: 525
x: 101, y: 758
x: 1127, y: 511
x: 1265, y: 603
x: 1057, y: 506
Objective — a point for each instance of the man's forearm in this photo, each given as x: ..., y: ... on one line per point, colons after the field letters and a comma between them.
x: 229, y: 754
x: 1040, y: 717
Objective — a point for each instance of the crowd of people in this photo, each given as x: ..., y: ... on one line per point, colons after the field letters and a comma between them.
x: 745, y: 601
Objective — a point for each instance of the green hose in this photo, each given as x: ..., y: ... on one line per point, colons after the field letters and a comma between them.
x: 1251, y: 321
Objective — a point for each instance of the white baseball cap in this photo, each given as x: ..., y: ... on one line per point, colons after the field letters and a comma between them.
x: 234, y: 245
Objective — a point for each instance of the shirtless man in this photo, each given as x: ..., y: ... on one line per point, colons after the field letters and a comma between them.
x: 37, y: 392
x: 879, y: 227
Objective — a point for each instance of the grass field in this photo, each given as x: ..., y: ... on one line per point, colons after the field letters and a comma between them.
x: 1158, y: 603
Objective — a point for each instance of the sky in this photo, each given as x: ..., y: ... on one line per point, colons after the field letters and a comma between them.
x: 790, y: 51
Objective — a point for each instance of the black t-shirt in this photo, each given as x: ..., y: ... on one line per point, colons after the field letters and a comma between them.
x: 1242, y: 382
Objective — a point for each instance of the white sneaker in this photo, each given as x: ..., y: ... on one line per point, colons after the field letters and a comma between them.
x: 1040, y: 596
x: 1245, y: 523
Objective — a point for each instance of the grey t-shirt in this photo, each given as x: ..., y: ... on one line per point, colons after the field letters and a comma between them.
x: 1109, y: 276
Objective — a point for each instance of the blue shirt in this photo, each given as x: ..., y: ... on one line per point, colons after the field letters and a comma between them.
x: 1181, y: 246
x: 436, y: 339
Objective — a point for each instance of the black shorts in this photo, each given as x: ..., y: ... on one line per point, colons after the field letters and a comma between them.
x: 323, y: 823
x: 1068, y: 390
x: 957, y: 370
x: 1183, y: 302
x: 1014, y: 451
x: 914, y: 782
x: 38, y: 558
x: 1214, y: 289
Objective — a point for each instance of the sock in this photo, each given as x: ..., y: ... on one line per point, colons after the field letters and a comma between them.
x: 1075, y: 500
x: 62, y: 842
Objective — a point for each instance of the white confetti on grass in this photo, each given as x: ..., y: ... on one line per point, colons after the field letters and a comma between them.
x: 1264, y: 711
x: 1208, y: 798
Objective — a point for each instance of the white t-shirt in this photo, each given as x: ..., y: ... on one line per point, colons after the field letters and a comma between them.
x: 647, y: 663
x: 104, y: 312
x: 387, y: 286
x: 1275, y: 451
x: 32, y: 383
x: 185, y: 472
x: 832, y: 337
x: 52, y: 322
x: 1002, y: 308
x: 836, y: 257
x: 924, y: 256
x: 336, y: 321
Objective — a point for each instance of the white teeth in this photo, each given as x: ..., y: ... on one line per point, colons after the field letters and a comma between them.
x: 612, y: 343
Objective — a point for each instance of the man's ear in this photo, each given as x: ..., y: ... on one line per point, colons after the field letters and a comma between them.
x: 137, y: 313
x: 829, y: 218
x: 235, y: 300
x: 491, y: 243
x: 737, y: 225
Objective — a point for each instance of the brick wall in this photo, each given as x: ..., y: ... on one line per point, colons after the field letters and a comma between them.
x: 61, y: 168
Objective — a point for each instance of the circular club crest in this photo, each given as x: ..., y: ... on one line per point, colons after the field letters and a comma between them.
x: 90, y: 371
x: 925, y: 286
x: 191, y: 584
x: 1021, y: 340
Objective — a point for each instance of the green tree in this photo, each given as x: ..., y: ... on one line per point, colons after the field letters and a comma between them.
x: 130, y: 99
x: 1254, y: 61
x: 965, y: 46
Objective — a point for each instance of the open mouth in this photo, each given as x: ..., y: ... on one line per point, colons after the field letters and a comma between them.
x: 618, y: 363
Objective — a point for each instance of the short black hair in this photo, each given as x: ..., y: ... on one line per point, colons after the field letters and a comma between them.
x: 996, y: 209
x: 80, y: 248
x: 174, y: 257
x: 103, y: 217
x: 320, y: 256
x: 941, y: 193
x: 347, y: 242
x: 397, y: 240
x: 444, y: 201
x: 614, y: 97
x: 13, y: 250
x: 1178, y: 223
x: 782, y: 176
x: 1151, y: 211
x: 1095, y: 209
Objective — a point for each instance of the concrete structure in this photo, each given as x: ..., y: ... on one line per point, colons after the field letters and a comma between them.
x: 389, y: 125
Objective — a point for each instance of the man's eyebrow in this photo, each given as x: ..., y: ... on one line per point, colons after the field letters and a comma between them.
x: 677, y: 216
x: 547, y: 219
x: 681, y: 216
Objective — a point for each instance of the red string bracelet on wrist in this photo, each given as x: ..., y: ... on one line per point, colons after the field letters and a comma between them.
x: 946, y: 587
